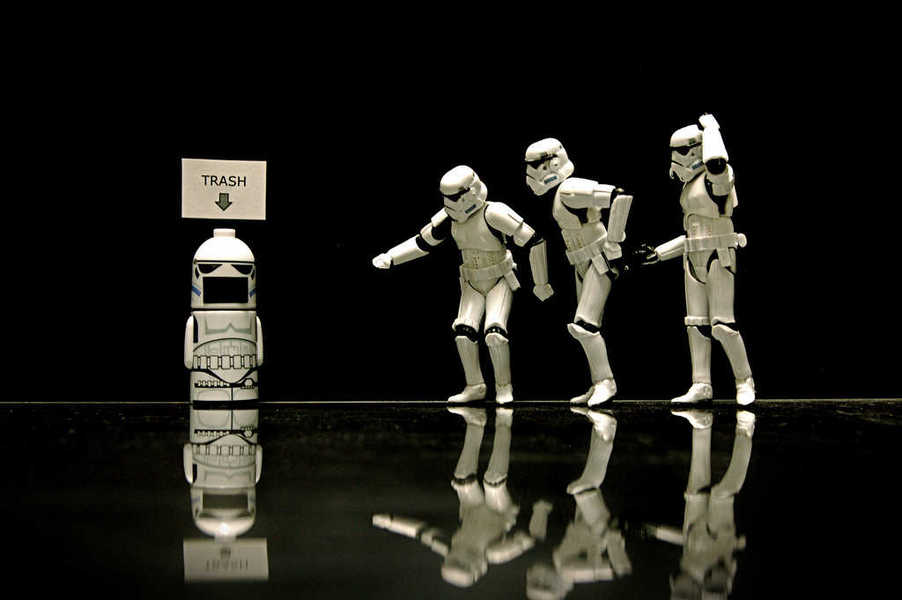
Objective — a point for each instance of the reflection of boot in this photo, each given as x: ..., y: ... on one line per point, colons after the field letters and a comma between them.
x: 496, y: 472
x: 604, y: 427
x: 745, y: 422
x: 469, y: 454
x: 469, y: 358
x: 733, y: 479
x: 700, y: 462
x: 499, y: 351
x: 734, y: 347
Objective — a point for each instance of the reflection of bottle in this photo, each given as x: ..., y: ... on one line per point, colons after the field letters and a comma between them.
x: 708, y: 536
x: 592, y: 549
x: 487, y: 512
x: 223, y: 336
x: 223, y: 463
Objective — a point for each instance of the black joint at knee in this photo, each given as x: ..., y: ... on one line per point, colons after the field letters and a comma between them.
x: 587, y: 326
x: 467, y: 332
x: 499, y: 330
x: 731, y: 325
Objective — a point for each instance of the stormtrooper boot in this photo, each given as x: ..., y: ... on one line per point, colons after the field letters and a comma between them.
x: 700, y: 354
x: 469, y: 358
x: 603, y: 386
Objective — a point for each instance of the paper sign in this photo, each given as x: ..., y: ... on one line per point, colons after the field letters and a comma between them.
x: 223, y: 189
x: 236, y: 560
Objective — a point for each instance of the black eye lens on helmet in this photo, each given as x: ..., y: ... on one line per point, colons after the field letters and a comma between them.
x: 208, y: 268
x: 456, y: 196
x: 683, y: 150
x: 244, y: 269
x: 535, y: 164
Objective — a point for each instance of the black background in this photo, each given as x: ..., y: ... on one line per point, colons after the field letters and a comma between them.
x: 355, y: 146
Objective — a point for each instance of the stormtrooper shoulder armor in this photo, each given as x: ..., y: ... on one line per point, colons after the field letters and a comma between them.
x: 501, y: 217
x: 584, y: 193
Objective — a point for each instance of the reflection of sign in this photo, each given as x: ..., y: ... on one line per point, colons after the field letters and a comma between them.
x: 223, y: 189
x: 235, y: 560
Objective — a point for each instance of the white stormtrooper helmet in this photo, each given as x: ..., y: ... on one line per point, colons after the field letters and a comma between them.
x: 686, y: 153
x: 463, y: 193
x: 547, y: 165
x: 223, y: 275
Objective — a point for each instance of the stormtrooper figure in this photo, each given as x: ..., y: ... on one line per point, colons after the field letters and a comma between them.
x: 708, y: 537
x: 487, y: 277
x: 699, y: 160
x: 593, y: 250
x: 488, y: 515
x: 222, y: 462
x: 223, y: 336
x: 593, y: 548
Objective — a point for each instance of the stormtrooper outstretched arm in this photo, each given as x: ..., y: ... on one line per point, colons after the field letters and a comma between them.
x: 434, y: 233
x: 433, y: 538
x: 502, y: 218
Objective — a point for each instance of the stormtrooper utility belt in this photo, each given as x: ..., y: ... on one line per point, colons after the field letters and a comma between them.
x: 592, y: 252
x: 721, y: 243
x: 503, y: 269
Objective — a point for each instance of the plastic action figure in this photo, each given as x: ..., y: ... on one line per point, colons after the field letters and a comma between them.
x: 487, y: 276
x: 593, y: 250
x: 699, y: 160
x: 223, y: 336
x: 487, y: 512
x: 223, y: 461
x: 592, y: 549
x: 708, y: 536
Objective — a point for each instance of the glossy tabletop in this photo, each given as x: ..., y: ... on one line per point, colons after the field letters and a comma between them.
x: 354, y: 500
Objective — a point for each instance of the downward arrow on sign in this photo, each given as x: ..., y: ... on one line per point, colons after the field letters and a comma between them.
x: 223, y: 201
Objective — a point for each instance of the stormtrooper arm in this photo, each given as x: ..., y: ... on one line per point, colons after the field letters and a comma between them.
x: 585, y: 193
x: 502, y: 218
x: 718, y: 172
x: 189, y: 345
x: 434, y: 233
x: 259, y: 342
x: 431, y: 537
x: 671, y: 249
x: 620, y: 211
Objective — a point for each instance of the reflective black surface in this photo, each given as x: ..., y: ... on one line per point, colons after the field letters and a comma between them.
x: 391, y: 501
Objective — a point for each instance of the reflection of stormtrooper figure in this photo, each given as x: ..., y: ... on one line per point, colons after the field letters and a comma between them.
x: 223, y: 336
x: 487, y: 512
x: 699, y: 160
x: 487, y: 277
x: 708, y: 536
x: 593, y: 250
x: 222, y: 463
x: 592, y: 548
